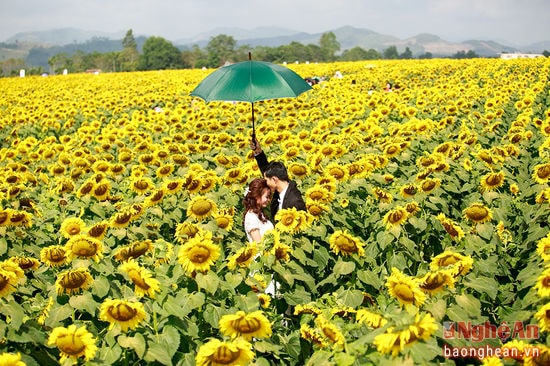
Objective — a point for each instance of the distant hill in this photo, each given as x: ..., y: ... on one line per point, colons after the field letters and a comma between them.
x: 61, y: 36
x: 38, y: 47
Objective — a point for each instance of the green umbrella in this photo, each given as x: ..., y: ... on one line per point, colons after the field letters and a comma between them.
x: 250, y: 81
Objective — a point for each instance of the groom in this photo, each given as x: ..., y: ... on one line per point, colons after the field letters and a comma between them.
x: 285, y: 191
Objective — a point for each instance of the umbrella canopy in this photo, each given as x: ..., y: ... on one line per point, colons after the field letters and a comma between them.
x: 250, y: 81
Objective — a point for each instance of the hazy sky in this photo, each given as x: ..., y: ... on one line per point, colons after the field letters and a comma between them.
x: 517, y: 21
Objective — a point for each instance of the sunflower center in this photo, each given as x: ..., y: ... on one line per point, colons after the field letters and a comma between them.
x: 71, y: 345
x: 434, y: 282
x: 493, y: 180
x: 73, y: 280
x: 346, y: 245
x: 200, y: 255
x: 224, y: 356
x: 84, y: 248
x: 543, y: 172
x: 122, y: 312
x: 450, y: 229
x: 404, y: 292
x: 477, y: 213
x: 201, y: 208
x: 246, y: 326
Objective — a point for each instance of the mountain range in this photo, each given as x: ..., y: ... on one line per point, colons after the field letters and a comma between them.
x: 347, y: 36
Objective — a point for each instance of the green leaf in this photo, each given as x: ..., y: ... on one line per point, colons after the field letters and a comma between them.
x: 101, y: 286
x: 351, y: 298
x: 84, y: 302
x: 298, y: 296
x: 342, y: 268
x: 418, y: 222
x: 369, y: 277
x: 483, y: 285
x: 3, y: 246
x: 163, y: 347
x: 212, y: 314
x: 14, y: 314
x: 110, y: 355
x: 137, y: 343
x: 209, y: 281
x: 233, y: 279
x: 384, y: 238
x: 469, y: 304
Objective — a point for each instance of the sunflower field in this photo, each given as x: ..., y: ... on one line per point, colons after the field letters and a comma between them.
x: 121, y: 218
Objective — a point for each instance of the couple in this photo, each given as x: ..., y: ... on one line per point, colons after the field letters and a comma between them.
x: 276, y: 181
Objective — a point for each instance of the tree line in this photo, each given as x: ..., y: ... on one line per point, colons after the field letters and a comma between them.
x: 157, y: 53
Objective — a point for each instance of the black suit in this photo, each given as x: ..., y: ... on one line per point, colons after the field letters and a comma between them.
x: 293, y: 196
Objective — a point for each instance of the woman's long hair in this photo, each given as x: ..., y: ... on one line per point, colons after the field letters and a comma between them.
x: 250, y: 202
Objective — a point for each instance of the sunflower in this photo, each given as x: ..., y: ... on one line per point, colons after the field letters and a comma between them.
x: 73, y: 281
x: 381, y: 195
x: 316, y: 209
x: 298, y: 170
x: 477, y: 213
x: 122, y: 218
x: 434, y: 282
x: 543, y: 283
x: 543, y: 248
x: 243, y: 256
x: 85, y: 188
x: 408, y: 190
x: 84, y: 246
x: 54, y: 255
x: 405, y: 289
x: 313, y: 335
x: 343, y: 242
x: 541, y: 173
x: 19, y: 218
x: 543, y: 317
x: 234, y: 353
x: 319, y: 193
x: 173, y: 186
x: 73, y: 343
x: 141, y: 185
x: 492, y: 181
x: 373, y: 320
x: 98, y: 230
x: 164, y: 170
x: 186, y: 231
x: 337, y: 171
x: 458, y: 263
x: 224, y: 219
x: 247, y: 326
x: 4, y: 216
x: 26, y: 263
x: 101, y: 190
x: 10, y: 359
x: 72, y: 226
x: 134, y: 250
x: 541, y: 359
x: 128, y: 315
x: 291, y: 220
x: 154, y: 198
x: 201, y: 207
x: 395, y: 217
x: 145, y: 284
x: 430, y: 184
x: 452, y: 228
x: 394, y: 340
x: 543, y: 196
x: 264, y: 300
x: 330, y: 331
x: 8, y: 282
x: 199, y: 253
